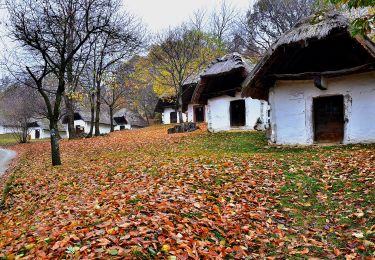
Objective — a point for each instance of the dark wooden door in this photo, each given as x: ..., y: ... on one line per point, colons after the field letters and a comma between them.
x: 329, y: 119
x: 37, y: 134
x: 237, y: 113
x: 173, y: 116
x: 79, y: 129
x: 199, y: 114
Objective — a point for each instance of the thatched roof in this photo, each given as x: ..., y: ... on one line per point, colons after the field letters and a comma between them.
x: 133, y: 118
x: 222, y: 76
x: 316, y: 44
x: 187, y: 92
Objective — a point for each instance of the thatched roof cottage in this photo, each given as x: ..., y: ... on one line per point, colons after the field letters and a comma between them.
x: 320, y: 83
x: 82, y: 122
x: 220, y: 90
x: 191, y: 112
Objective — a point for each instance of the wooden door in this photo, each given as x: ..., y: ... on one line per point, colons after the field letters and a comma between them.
x: 329, y: 119
x: 79, y: 129
x: 173, y: 116
x: 199, y: 114
x: 37, y: 134
x: 237, y: 113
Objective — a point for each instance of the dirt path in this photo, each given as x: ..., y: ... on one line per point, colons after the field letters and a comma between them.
x: 6, y: 157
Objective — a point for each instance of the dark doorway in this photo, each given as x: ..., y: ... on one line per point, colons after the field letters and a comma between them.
x: 173, y: 117
x: 329, y: 119
x: 199, y: 114
x: 122, y: 127
x: 79, y: 129
x: 237, y: 113
x: 37, y: 134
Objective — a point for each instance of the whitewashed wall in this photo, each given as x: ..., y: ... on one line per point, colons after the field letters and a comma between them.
x: 219, y: 113
x: 127, y: 127
x: 2, y: 130
x: 44, y: 134
x: 166, y: 118
x: 292, y: 109
x: 103, y: 128
x: 190, y: 113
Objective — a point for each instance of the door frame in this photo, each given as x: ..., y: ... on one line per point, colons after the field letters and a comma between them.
x: 230, y: 112
x: 204, y: 113
x: 313, y: 117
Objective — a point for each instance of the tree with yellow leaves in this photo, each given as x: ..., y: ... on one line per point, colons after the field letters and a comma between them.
x: 179, y: 55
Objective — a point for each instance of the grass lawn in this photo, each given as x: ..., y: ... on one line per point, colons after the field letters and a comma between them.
x: 145, y: 194
x: 10, y: 139
x: 7, y: 139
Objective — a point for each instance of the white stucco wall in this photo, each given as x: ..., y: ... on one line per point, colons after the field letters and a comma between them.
x: 190, y: 113
x: 103, y: 128
x: 292, y: 109
x: 127, y: 127
x: 2, y: 130
x: 44, y: 134
x: 219, y: 113
x: 166, y: 118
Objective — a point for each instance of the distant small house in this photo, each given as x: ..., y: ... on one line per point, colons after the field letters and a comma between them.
x: 82, y: 123
x: 127, y: 119
x: 220, y: 90
x: 121, y: 123
x: 320, y: 83
x: 36, y: 128
x: 167, y: 107
x: 39, y: 129
x: 196, y: 113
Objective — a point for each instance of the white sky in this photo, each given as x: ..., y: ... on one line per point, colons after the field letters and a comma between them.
x: 160, y: 14
x: 157, y: 15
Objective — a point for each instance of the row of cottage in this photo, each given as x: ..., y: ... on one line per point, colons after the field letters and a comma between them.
x: 315, y: 84
x: 124, y: 119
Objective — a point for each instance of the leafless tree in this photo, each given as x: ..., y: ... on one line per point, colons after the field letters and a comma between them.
x: 19, y: 110
x: 198, y: 20
x: 266, y: 20
x: 222, y: 21
x: 124, y: 38
x: 114, y: 96
x: 144, y: 101
x: 44, y: 29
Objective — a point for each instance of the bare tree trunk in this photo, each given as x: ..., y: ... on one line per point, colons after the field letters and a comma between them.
x: 70, y: 117
x: 97, y: 116
x: 92, y: 111
x: 111, y: 118
x: 179, y: 108
x: 55, y: 146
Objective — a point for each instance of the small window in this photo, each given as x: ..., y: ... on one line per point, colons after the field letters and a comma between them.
x: 122, y: 127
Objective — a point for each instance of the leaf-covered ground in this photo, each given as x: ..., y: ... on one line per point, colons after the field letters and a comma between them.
x: 145, y: 194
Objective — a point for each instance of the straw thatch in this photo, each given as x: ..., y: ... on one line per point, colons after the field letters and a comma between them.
x: 187, y: 92
x: 130, y: 117
x: 331, y: 29
x: 223, y: 76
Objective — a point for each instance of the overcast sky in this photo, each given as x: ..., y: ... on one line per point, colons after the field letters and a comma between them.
x: 157, y: 15
x: 160, y: 14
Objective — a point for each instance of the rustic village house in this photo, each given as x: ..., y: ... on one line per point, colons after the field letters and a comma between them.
x: 34, y: 128
x: 82, y: 123
x: 166, y: 106
x: 192, y: 112
x: 320, y: 83
x: 126, y: 119
x: 196, y: 113
x: 220, y: 90
x: 39, y: 129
